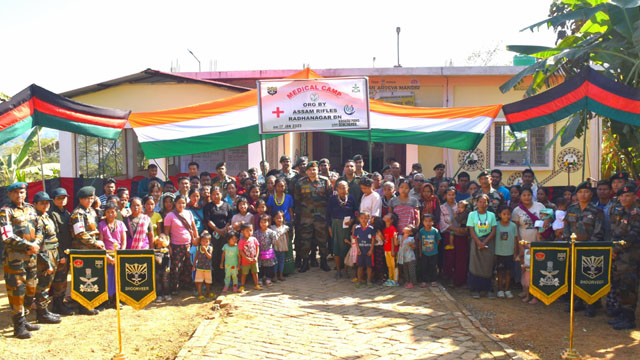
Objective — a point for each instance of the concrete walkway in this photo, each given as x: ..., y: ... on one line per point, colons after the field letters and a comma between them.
x: 314, y: 316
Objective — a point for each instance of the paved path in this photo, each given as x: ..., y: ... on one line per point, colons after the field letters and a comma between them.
x: 314, y: 316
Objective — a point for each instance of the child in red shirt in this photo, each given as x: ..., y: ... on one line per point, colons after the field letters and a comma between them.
x: 249, y: 251
x: 391, y: 247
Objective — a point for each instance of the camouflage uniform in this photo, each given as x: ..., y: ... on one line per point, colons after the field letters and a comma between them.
x: 496, y: 200
x: 310, y: 203
x: 436, y: 182
x: 61, y: 218
x: 84, y: 228
x: 587, y: 224
x: 222, y: 183
x: 48, y: 258
x: 20, y: 269
x: 625, y: 225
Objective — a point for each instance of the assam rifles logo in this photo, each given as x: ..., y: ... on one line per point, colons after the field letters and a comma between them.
x: 355, y: 88
x: 349, y: 109
x: 272, y: 90
x: 314, y: 97
x: 592, y: 266
x: 136, y: 273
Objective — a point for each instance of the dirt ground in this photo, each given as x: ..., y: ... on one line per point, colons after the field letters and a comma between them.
x: 156, y: 332
x: 542, y: 332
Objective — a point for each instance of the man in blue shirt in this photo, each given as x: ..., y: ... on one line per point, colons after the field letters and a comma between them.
x: 463, y: 184
x: 496, y: 179
x: 143, y: 185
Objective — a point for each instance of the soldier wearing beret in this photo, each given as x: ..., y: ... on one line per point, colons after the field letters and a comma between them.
x: 496, y: 200
x: 84, y: 228
x: 61, y: 218
x: 435, y: 181
x: 311, y: 196
x: 221, y: 179
x: 286, y: 171
x: 325, y: 168
x: 625, y: 225
x: 587, y: 221
x: 359, y: 162
x: 22, y: 238
x: 47, y: 259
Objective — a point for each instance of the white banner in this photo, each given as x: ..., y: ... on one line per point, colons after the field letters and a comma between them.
x: 288, y: 105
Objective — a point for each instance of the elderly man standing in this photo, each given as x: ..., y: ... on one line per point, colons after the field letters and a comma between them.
x: 311, y: 197
x: 22, y: 238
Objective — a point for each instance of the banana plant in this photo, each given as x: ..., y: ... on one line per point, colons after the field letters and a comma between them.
x: 18, y: 167
x: 599, y: 33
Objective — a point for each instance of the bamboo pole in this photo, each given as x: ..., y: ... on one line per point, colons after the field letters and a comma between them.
x: 44, y: 186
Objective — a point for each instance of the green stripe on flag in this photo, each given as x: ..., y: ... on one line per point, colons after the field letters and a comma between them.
x: 551, y: 117
x: 16, y: 130
x: 54, y: 122
x: 203, y: 143
x: 458, y: 140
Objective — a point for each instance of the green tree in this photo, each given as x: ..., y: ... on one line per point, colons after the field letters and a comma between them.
x: 21, y: 161
x: 606, y: 35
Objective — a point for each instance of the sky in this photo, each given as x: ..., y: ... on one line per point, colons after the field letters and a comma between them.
x: 64, y: 45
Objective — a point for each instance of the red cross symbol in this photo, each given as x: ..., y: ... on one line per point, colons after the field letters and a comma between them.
x: 278, y: 112
x: 6, y: 232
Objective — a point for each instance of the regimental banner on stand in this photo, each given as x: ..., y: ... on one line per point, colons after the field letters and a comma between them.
x: 89, y: 277
x: 593, y: 270
x: 549, y: 270
x: 136, y: 283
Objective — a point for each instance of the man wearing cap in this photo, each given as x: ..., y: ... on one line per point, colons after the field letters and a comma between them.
x: 61, y: 217
x: 359, y: 162
x: 416, y: 168
x: 22, y: 238
x: 325, y: 168
x: 84, y: 228
x: 311, y: 196
x: 495, y: 197
x: 625, y: 225
x: 222, y: 179
x: 286, y: 171
x: 435, y: 181
x: 47, y: 259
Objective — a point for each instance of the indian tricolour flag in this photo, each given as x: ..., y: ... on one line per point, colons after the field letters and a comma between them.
x: 233, y: 121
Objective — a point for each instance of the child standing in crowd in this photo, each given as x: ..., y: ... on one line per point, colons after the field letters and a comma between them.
x: 390, y: 247
x: 405, y: 207
x: 249, y: 248
x: 365, y: 235
x: 243, y: 216
x: 429, y: 240
x: 560, y: 214
x: 261, y: 209
x: 506, y: 243
x: 266, y: 237
x: 281, y: 243
x: 113, y: 233
x: 229, y: 262
x: 407, y: 256
x: 482, y: 228
x: 163, y: 261
x: 202, y: 265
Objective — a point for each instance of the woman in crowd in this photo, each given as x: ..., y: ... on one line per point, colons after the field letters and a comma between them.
x: 268, y: 188
x: 388, y: 193
x: 253, y: 193
x: 429, y: 203
x: 231, y: 195
x: 514, y: 193
x: 543, y: 198
x: 194, y: 207
x: 454, y: 237
x: 155, y: 190
x: 167, y: 204
x: 525, y: 216
x: 180, y: 226
x: 217, y: 217
x: 482, y: 230
x: 281, y: 201
x: 139, y: 228
x: 472, y: 188
x: 156, y: 219
x: 341, y: 214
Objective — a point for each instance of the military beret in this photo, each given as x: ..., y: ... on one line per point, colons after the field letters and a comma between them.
x: 284, y: 157
x: 312, y: 164
x: 483, y: 173
x: 622, y: 175
x: 17, y: 185
x: 59, y: 192
x: 41, y: 196
x: 628, y: 188
x: 439, y: 166
x: 300, y: 160
x: 252, y: 171
x: 221, y: 164
x: 86, y: 191
x: 324, y: 161
x: 358, y: 157
x: 583, y: 185
x: 416, y: 166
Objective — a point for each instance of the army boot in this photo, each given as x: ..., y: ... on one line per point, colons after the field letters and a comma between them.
x: 84, y: 311
x: 305, y: 265
x: 19, y: 327
x: 323, y: 264
x: 60, y: 308
x: 628, y: 321
x: 45, y: 317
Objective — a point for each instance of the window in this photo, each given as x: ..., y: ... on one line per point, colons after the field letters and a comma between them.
x: 517, y: 149
x: 100, y: 157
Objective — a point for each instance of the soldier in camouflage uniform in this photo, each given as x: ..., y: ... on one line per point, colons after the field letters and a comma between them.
x: 84, y: 228
x: 616, y: 181
x: 48, y: 259
x: 61, y: 217
x: 312, y: 194
x: 436, y: 180
x: 22, y: 238
x: 222, y: 179
x: 496, y: 200
x: 625, y: 225
x: 353, y: 181
x: 587, y: 221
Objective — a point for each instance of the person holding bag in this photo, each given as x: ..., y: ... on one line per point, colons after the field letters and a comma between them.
x: 180, y: 226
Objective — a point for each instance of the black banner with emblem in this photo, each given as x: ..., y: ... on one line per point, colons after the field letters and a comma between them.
x: 88, y: 277
x: 136, y: 272
x: 549, y: 270
x: 593, y: 270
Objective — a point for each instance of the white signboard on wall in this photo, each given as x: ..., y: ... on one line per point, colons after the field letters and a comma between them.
x: 327, y: 104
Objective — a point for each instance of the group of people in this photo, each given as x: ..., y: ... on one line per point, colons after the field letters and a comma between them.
x: 379, y: 228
